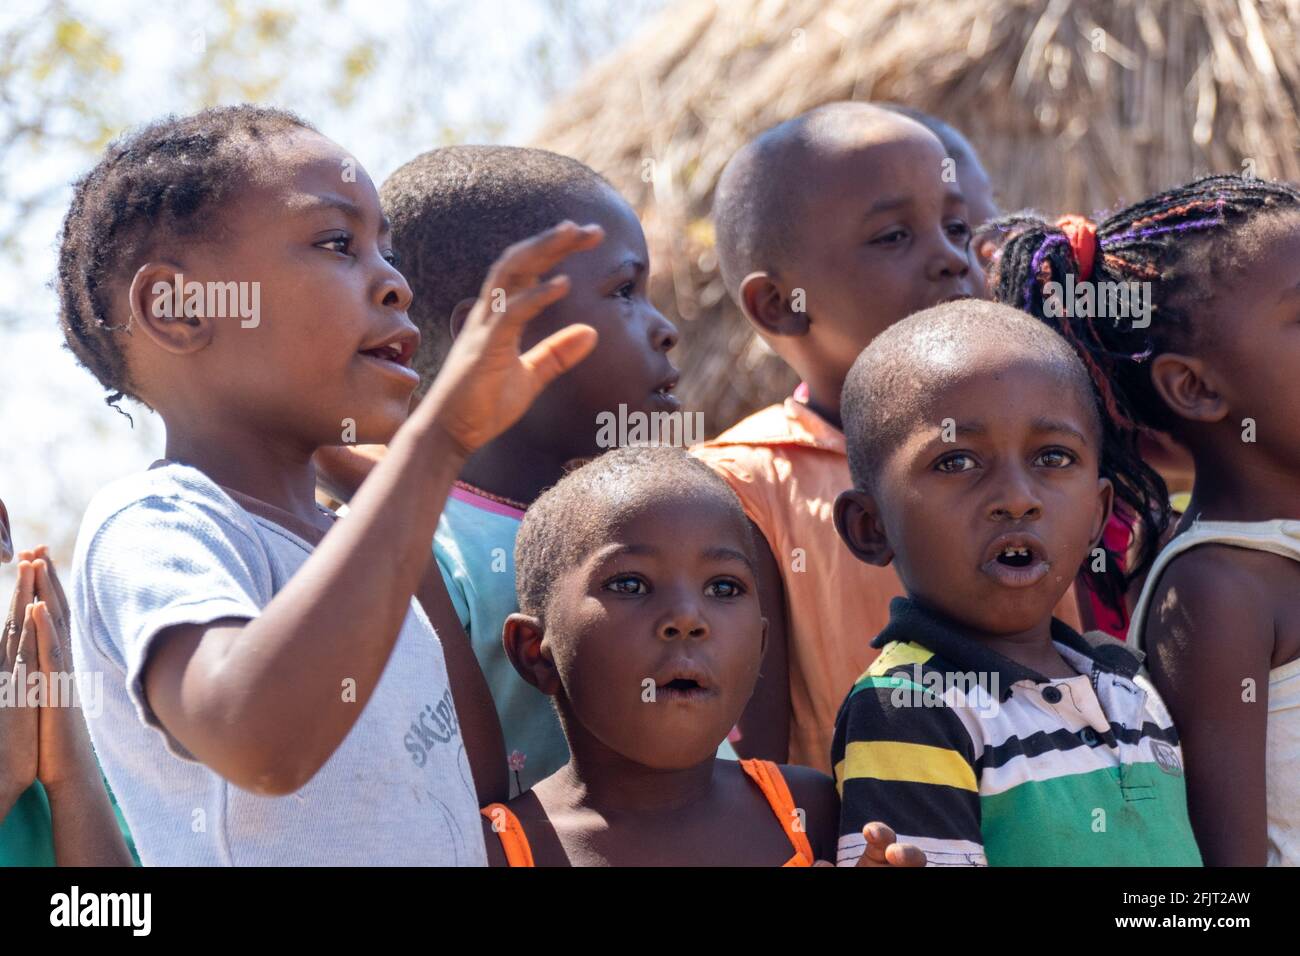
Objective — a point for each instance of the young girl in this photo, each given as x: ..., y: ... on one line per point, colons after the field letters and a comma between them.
x: 273, y: 695
x: 1218, y: 369
x: 639, y: 616
x: 68, y: 819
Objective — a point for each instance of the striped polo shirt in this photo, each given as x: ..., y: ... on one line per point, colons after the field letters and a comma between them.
x: 980, y: 761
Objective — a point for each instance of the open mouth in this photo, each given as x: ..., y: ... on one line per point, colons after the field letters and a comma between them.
x: 1016, y: 560
x: 664, y: 391
x: 684, y: 685
x: 395, y: 352
x: 1015, y: 557
x: 389, y: 353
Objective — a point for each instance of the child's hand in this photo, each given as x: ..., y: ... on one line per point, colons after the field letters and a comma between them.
x: 485, y: 385
x: 883, y: 850
x: 65, y: 752
x: 18, y: 729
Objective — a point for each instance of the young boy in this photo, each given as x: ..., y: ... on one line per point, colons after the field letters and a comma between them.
x: 639, y: 617
x: 830, y: 228
x: 451, y: 210
x: 987, y: 731
x: 274, y: 695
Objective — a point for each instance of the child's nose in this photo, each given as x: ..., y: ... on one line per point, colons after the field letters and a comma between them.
x: 1015, y: 500
x: 663, y: 334
x: 683, y: 622
x: 949, y: 259
x: 392, y: 289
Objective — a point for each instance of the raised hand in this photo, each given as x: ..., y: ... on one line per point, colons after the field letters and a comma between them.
x: 485, y: 385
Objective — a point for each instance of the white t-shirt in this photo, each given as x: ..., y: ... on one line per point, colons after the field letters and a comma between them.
x: 170, y: 547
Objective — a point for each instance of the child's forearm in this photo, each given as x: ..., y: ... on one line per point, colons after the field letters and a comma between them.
x: 263, y: 703
x: 85, y: 827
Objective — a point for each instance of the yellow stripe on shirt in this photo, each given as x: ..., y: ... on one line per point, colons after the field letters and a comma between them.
x: 896, y: 653
x: 909, y: 763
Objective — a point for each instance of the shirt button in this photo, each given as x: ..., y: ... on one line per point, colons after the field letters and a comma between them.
x: 1088, y: 736
x: 1051, y: 694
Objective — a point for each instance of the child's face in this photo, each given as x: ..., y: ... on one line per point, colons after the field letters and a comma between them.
x: 657, y: 635
x: 630, y: 364
x: 332, y: 342
x: 882, y: 236
x: 1253, y: 352
x: 990, y: 528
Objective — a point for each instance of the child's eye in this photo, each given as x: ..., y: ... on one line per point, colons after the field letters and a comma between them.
x: 890, y: 238
x: 724, y: 589
x: 1055, y: 458
x: 626, y: 290
x: 952, y: 464
x: 340, y: 243
x: 393, y: 259
x: 959, y: 230
x: 627, y: 584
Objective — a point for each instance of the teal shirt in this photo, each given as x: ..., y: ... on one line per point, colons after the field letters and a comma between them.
x: 27, y: 832
x: 475, y: 549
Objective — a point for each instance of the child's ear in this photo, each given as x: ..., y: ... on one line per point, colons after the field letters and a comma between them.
x: 458, y: 316
x: 1105, y: 502
x: 766, y: 304
x: 1185, y: 385
x: 522, y: 637
x: 158, y: 310
x: 857, y: 519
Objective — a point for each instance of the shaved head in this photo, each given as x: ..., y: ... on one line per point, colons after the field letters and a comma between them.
x: 758, y: 205
x: 892, y: 387
x: 578, y: 514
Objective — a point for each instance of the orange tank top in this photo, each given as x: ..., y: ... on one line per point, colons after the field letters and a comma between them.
x: 763, y: 772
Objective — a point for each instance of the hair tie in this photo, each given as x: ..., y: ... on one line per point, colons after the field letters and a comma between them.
x: 1082, y: 233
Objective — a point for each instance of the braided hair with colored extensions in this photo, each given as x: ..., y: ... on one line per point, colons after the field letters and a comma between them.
x: 1180, y: 242
x: 151, y: 186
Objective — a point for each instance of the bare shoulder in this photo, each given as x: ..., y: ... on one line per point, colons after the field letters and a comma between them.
x: 1212, y: 587
x: 1211, y: 614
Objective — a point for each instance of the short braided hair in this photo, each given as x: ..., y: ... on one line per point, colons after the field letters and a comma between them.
x: 152, y: 183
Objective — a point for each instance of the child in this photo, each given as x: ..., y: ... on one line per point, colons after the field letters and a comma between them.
x: 1218, y: 368
x: 273, y: 694
x: 994, y: 733
x: 639, y: 616
x: 830, y: 228
x: 452, y: 209
x: 68, y: 819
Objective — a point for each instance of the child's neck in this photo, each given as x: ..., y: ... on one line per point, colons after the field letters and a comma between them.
x: 258, y: 465
x: 824, y: 400
x: 1032, y: 648
x: 1249, y: 488
x: 600, y: 779
x: 515, y: 468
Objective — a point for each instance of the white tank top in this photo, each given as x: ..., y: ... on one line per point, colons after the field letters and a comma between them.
x: 1282, y: 767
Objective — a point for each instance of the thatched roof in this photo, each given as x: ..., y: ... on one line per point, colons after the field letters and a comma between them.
x: 1074, y: 105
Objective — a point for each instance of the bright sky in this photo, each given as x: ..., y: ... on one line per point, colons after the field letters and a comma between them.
x: 52, y: 417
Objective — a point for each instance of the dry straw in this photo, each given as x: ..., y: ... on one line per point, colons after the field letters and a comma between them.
x: 1074, y: 105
